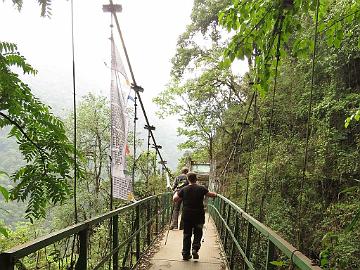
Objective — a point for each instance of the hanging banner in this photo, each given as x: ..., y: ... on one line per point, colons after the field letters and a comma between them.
x: 168, y: 184
x: 120, y: 87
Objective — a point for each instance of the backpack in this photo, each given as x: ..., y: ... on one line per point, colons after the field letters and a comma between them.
x: 181, y: 181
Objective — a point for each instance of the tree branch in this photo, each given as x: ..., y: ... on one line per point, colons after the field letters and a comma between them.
x: 41, y: 152
x: 190, y: 112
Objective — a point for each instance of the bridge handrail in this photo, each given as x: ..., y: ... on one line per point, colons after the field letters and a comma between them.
x: 298, y: 258
x: 46, y: 240
x: 25, y: 249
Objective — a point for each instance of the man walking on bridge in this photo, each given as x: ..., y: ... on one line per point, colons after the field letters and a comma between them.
x: 180, y: 182
x: 193, y: 213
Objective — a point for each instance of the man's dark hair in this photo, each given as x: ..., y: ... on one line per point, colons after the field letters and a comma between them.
x: 184, y: 170
x: 192, y: 177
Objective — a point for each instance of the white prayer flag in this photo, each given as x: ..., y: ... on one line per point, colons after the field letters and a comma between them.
x: 122, y: 185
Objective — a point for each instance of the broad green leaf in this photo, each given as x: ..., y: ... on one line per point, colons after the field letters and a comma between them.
x: 324, y: 261
x: 347, y: 122
x: 357, y: 116
x: 4, y: 173
x: 4, y: 231
x: 5, y: 193
x: 337, y: 43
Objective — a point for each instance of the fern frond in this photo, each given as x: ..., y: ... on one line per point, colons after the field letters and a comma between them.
x: 8, y: 47
x: 18, y: 4
x: 20, y: 61
x: 45, y: 7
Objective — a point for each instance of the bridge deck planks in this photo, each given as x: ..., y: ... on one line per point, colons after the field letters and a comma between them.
x: 169, y: 256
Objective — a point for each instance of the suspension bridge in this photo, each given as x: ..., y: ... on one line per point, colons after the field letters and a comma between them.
x: 132, y: 237
x: 124, y: 237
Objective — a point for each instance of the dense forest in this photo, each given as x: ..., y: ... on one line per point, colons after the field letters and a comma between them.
x: 283, y: 139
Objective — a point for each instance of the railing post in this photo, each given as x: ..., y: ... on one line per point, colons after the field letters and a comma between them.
x: 168, y: 207
x: 248, y: 243
x: 6, y: 261
x: 148, y: 217
x: 162, y: 212
x: 157, y: 215
x: 228, y: 215
x: 129, y: 244
x: 81, y: 263
x: 137, y: 239
x: 236, y: 231
x: 217, y: 206
x: 115, y: 225
x: 164, y: 207
x: 222, y: 209
x: 270, y: 255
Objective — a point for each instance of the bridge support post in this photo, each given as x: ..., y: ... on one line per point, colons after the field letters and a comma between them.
x: 83, y: 253
x: 148, y: 217
x: 248, y: 243
x: 137, y: 238
x: 6, y: 262
x: 228, y: 215
x: 115, y: 225
x: 270, y: 255
x: 157, y: 215
x: 236, y: 232
x: 163, y: 212
x: 222, y: 208
x: 217, y: 204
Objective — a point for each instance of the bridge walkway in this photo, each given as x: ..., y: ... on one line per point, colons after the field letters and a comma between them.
x: 169, y: 255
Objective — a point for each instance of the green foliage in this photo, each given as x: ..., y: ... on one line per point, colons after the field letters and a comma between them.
x: 4, y: 231
x: 45, y: 6
x: 200, y: 102
x: 93, y: 139
x: 93, y: 144
x: 40, y: 136
x: 3, y: 190
x: 201, y: 88
x: 354, y: 221
x: 22, y: 233
x: 302, y: 210
x: 355, y: 116
x: 259, y: 25
x: 203, y: 23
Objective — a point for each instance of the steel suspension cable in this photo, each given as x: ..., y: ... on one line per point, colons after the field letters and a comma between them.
x: 238, y: 168
x: 110, y: 165
x: 251, y: 156
x: 75, y: 135
x: 74, y: 104
x: 238, y: 135
x: 279, y: 30
x: 308, y: 123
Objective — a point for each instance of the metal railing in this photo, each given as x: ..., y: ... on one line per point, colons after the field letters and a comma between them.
x: 115, y: 240
x: 249, y: 244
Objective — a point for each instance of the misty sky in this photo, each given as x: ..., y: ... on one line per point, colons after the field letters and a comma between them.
x: 150, y: 30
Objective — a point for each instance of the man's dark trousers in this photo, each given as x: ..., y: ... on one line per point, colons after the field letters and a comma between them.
x: 175, y: 216
x: 191, y: 228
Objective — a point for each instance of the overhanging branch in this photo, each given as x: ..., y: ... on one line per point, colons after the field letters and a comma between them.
x: 41, y: 152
